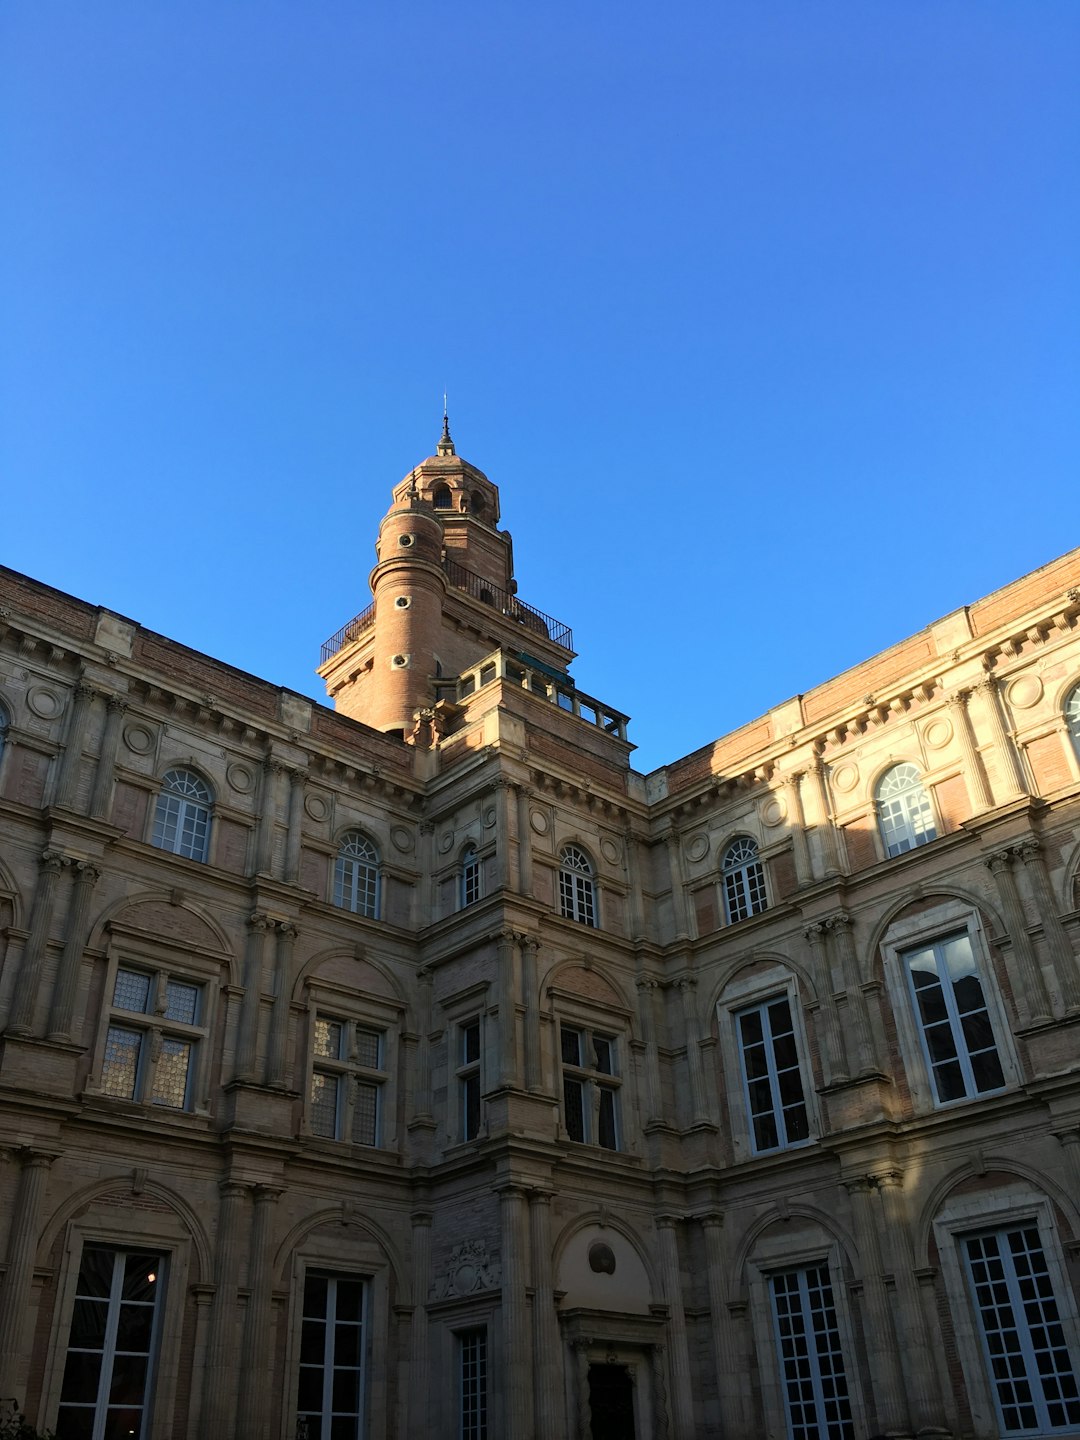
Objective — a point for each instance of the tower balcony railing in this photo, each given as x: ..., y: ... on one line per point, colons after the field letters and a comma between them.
x: 527, y: 616
x: 541, y: 681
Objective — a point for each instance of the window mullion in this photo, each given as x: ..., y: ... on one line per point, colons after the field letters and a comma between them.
x: 328, y: 1357
x: 955, y: 1022
x: 108, y: 1349
x: 774, y: 1083
x: 1023, y: 1329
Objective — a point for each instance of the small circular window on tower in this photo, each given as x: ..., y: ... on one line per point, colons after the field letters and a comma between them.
x: 402, y: 602
x: 406, y: 540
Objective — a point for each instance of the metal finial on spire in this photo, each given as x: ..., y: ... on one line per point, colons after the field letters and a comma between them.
x: 446, y: 445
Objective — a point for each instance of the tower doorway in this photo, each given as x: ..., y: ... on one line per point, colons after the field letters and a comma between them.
x: 611, y: 1403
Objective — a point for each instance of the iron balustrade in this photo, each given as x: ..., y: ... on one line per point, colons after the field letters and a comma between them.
x: 528, y: 616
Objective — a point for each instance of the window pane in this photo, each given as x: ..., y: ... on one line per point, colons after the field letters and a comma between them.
x: 811, y: 1361
x: 602, y: 1049
x: 327, y: 1041
x: 131, y: 991
x: 323, y: 1112
x: 368, y: 1048
x: 574, y: 1108
x: 171, y: 1074
x: 181, y: 1002
x: 473, y: 1360
x: 571, y: 1046
x: 470, y: 1042
x: 366, y: 1114
x: 606, y: 1136
x: 470, y: 1106
x: 120, y: 1070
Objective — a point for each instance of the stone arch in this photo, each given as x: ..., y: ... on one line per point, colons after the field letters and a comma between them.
x: 1070, y: 892
x: 214, y: 937
x: 775, y: 1216
x: 386, y: 982
x: 563, y: 974
x: 637, y: 1264
x: 10, y: 892
x: 336, y: 1215
x: 966, y: 1170
x: 807, y: 985
x: 114, y: 1185
x: 977, y: 902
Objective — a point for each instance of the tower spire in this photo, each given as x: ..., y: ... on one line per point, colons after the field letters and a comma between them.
x: 446, y: 445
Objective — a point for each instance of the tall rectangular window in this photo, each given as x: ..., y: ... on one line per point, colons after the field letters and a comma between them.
x: 151, y: 1042
x: 472, y: 1361
x: 108, y: 1373
x: 811, y: 1361
x: 347, y: 1080
x: 950, y: 1005
x: 772, y: 1076
x: 468, y: 1079
x: 330, y: 1395
x: 1032, y: 1375
x: 590, y: 1087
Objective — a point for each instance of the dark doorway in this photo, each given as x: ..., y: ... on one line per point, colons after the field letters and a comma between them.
x: 611, y: 1402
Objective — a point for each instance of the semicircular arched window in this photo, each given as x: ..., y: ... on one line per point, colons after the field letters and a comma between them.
x: 182, y: 816
x: 744, y: 880
x: 1072, y: 716
x: 904, y: 812
x: 356, y: 875
x: 577, y: 888
x: 442, y: 499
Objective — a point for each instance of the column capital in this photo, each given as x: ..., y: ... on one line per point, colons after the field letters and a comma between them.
x: 860, y: 1184
x: 687, y: 982
x: 840, y: 921
x: 999, y: 861
x: 83, y: 690
x: 116, y: 703
x: 1028, y: 850
x: 815, y: 933
x: 86, y: 873
x: 232, y: 1189
x: 711, y: 1220
x: 287, y: 929
x: 888, y: 1179
x: 53, y: 861
x: 31, y: 1158
x: 266, y: 1194
x: 667, y: 1220
x: 259, y: 921
x: 647, y: 983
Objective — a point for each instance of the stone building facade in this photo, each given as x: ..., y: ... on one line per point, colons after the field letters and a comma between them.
x: 416, y: 1068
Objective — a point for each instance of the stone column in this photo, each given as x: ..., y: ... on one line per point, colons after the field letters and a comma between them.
x: 804, y: 873
x: 101, y: 796
x: 534, y: 1079
x: 524, y: 830
x: 255, y: 1357
x: 508, y: 997
x: 502, y: 833
x: 729, y: 1381
x: 251, y: 1005
x: 15, y: 1311
x: 633, y: 877
x: 1012, y: 774
x: 28, y: 983
x: 680, y: 915
x: 920, y: 1381
x: 830, y: 841
x: 833, y: 1060
x: 264, y: 834
x: 881, y: 1343
x: 978, y: 786
x: 682, y: 1400
x: 62, y: 1012
x: 1064, y: 961
x: 297, y: 788
x: 698, y: 1104
x: 426, y: 898
x: 277, y: 1059
x: 419, y: 1359
x: 841, y: 926
x: 221, y: 1374
x: 547, y: 1372
x: 68, y: 783
x: 581, y: 1376
x: 1031, y: 992
x: 515, y: 1317
x: 1069, y: 1140
x: 646, y: 991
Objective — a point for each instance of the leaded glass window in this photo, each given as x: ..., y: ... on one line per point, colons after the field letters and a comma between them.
x: 1033, y: 1375
x: 812, y: 1367
x: 577, y: 888
x: 356, y: 876
x: 182, y: 817
x: 958, y: 1040
x: 904, y: 811
x: 347, y: 1080
x: 743, y: 880
x: 152, y: 1060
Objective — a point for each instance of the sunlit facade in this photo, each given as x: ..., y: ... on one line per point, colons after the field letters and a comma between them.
x: 416, y: 1068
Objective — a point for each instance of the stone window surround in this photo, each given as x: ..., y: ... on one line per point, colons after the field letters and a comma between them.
x: 373, y: 1012
x: 906, y: 934
x: 742, y: 994
x: 457, y: 1010
x: 579, y: 1012
x: 969, y: 1214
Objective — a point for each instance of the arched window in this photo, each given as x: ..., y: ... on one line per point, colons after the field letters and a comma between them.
x: 904, y: 810
x: 470, y: 876
x: 182, y: 817
x: 356, y: 876
x: 442, y: 499
x: 577, y: 888
x: 744, y: 880
x: 476, y: 503
x: 1072, y: 716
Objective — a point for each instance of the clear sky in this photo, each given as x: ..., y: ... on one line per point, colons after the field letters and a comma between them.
x: 764, y: 316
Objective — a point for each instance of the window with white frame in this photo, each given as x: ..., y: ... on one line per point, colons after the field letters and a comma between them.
x: 470, y: 876
x: 904, y: 812
x: 958, y: 1041
x: 182, y: 816
x: 812, y: 1367
x: 330, y: 1391
x: 577, y: 887
x: 743, y: 880
x: 1072, y: 716
x: 473, y: 1383
x: 469, y: 1078
x: 155, y: 1028
x: 356, y: 875
x: 772, y: 1075
x: 1032, y: 1374
x: 590, y: 1086
x: 348, y: 1077
x: 111, y: 1348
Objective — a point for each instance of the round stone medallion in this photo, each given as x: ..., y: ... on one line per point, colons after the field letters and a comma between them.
x: 938, y: 733
x: 489, y: 817
x: 539, y: 822
x: 1025, y: 692
x: 610, y: 851
x: 697, y: 847
x: 772, y: 811
x: 241, y: 778
x: 845, y: 777
x: 401, y: 839
x: 45, y: 703
x: 317, y: 806
x: 138, y: 739
x: 446, y: 842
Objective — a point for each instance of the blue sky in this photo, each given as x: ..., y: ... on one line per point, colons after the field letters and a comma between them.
x: 764, y: 316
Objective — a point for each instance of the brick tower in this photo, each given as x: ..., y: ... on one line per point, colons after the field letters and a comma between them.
x: 444, y: 596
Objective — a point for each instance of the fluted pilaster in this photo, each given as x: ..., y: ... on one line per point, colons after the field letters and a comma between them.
x: 61, y: 1014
